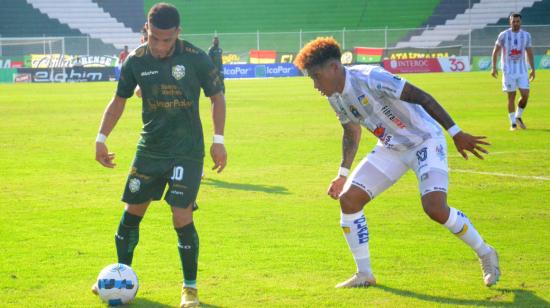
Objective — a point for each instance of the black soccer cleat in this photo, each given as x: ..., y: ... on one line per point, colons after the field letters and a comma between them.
x: 519, y: 121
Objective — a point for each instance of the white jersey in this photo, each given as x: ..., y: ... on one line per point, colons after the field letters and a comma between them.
x: 371, y: 98
x: 513, y: 46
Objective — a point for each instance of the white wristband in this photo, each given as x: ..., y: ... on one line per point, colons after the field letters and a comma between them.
x: 101, y: 138
x: 218, y: 139
x: 343, y: 172
x: 453, y: 130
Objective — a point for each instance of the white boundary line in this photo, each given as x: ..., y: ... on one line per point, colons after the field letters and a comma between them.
x: 530, y: 177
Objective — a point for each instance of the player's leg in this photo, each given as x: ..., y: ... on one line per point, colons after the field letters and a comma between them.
x: 371, y: 177
x: 430, y: 165
x: 127, y: 235
x: 509, y: 85
x: 524, y: 91
x: 181, y: 195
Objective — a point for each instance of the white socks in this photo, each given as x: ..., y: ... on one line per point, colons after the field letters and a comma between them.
x: 512, y: 116
x: 461, y: 226
x: 357, y: 235
x: 519, y: 112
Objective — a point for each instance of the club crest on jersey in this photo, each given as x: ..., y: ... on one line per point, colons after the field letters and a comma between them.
x: 178, y: 71
x: 363, y: 99
x: 134, y: 185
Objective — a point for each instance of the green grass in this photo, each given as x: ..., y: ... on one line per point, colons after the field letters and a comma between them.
x: 269, y: 234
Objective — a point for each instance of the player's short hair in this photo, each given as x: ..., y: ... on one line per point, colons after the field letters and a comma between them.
x: 317, y: 52
x: 163, y: 16
x: 513, y: 15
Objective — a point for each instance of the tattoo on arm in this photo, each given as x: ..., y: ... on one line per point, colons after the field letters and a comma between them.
x: 350, y: 143
x: 414, y: 95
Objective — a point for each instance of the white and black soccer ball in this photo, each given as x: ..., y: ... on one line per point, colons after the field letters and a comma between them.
x: 117, y: 284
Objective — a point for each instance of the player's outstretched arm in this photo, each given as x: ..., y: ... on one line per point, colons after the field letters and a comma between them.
x: 110, y: 118
x: 217, y: 150
x: 463, y: 141
x: 350, y: 144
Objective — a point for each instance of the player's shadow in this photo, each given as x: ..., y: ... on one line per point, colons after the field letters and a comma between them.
x: 270, y: 189
x: 522, y: 298
x: 143, y: 302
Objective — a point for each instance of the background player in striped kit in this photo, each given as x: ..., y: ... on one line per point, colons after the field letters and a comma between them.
x: 515, y: 44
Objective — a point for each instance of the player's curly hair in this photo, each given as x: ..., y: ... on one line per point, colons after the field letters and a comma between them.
x: 317, y: 52
x: 163, y: 16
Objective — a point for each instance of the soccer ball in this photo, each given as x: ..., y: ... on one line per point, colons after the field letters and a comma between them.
x: 117, y: 284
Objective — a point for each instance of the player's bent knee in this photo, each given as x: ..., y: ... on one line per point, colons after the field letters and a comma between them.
x: 353, y: 200
x: 182, y: 216
x: 435, y: 206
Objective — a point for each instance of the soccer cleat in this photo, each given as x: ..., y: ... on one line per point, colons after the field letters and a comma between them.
x: 489, y: 267
x: 520, y: 123
x: 358, y: 280
x: 95, y: 289
x: 189, y: 297
x: 513, y: 127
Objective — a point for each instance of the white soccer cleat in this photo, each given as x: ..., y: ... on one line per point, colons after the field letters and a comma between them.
x: 490, y: 267
x: 358, y: 280
x: 189, y: 297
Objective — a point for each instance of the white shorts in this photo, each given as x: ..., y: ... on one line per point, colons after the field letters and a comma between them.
x: 510, y: 83
x: 383, y: 167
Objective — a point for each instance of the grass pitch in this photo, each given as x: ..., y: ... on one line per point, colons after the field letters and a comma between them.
x: 269, y: 234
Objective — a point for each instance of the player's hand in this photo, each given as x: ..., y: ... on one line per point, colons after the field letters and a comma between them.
x: 466, y: 142
x: 103, y: 156
x: 137, y: 92
x: 336, y: 187
x: 494, y: 73
x: 532, y: 75
x: 219, y: 156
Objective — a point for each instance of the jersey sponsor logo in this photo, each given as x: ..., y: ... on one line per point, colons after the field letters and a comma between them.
x: 379, y: 131
x: 149, y: 73
x: 362, y: 229
x: 173, y: 104
x: 134, y: 185
x: 389, y: 114
x: 178, y: 71
x: 354, y: 111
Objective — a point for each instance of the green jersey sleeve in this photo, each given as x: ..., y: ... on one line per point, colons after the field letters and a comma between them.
x: 208, y: 75
x: 127, y: 81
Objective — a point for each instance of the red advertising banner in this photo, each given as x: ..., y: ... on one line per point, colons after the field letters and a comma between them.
x: 412, y: 66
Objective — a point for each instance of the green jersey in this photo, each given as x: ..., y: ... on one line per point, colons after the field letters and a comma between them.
x: 170, y: 89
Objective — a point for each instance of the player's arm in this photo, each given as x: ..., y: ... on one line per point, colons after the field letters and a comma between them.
x: 463, y: 141
x: 531, y: 60
x: 350, y: 143
x: 494, y: 58
x: 112, y: 113
x: 217, y: 150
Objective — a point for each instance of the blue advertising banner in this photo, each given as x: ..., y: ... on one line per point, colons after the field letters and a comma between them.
x: 260, y: 70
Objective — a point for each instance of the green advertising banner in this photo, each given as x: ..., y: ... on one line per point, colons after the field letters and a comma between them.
x: 483, y: 63
x: 6, y: 74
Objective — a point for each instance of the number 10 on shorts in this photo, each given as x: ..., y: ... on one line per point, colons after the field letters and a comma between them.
x: 177, y: 173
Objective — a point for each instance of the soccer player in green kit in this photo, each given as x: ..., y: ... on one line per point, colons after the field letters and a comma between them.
x: 170, y: 73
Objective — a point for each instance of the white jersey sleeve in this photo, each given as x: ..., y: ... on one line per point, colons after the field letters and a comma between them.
x: 385, y: 83
x: 528, y: 40
x: 500, y: 39
x: 337, y: 106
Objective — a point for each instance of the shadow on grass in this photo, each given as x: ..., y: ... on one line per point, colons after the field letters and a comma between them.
x: 270, y: 189
x: 143, y: 302
x: 522, y: 298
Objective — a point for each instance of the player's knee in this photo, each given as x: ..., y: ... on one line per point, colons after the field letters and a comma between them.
x: 182, y: 216
x: 436, y: 209
x: 350, y: 203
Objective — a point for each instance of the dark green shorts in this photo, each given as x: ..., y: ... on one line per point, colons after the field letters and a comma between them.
x: 148, y: 178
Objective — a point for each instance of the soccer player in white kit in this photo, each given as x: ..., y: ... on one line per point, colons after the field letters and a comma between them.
x: 515, y: 44
x: 406, y: 121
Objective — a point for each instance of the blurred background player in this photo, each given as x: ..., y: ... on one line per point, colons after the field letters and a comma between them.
x: 405, y: 120
x: 170, y: 73
x: 123, y: 55
x: 216, y: 53
x: 515, y: 44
